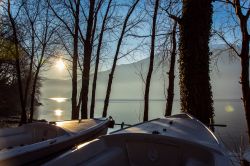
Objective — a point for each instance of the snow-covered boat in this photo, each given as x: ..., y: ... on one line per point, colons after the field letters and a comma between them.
x: 36, y: 142
x: 179, y: 140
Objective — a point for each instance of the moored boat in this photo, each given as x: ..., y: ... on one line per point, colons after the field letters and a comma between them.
x: 36, y: 142
x: 175, y: 140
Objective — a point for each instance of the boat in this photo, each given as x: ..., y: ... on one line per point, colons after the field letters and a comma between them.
x: 179, y: 140
x: 37, y: 142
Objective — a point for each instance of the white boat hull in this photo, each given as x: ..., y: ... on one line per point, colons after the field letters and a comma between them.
x: 171, y: 141
x: 67, y: 135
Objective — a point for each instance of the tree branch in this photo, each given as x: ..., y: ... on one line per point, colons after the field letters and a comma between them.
x: 227, y: 43
x: 55, y: 13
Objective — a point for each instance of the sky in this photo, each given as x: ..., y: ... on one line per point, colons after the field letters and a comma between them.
x: 220, y: 19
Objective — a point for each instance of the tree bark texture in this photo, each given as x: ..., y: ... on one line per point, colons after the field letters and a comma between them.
x: 195, y: 88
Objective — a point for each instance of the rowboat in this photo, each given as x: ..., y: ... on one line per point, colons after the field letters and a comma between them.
x: 37, y: 142
x: 176, y: 140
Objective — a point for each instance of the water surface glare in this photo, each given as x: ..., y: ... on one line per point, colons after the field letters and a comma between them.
x: 59, y: 99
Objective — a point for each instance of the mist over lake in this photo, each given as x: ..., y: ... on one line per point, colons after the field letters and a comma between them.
x: 126, y: 104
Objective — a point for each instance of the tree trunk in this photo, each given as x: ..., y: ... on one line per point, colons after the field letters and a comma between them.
x: 108, y: 91
x: 75, y: 111
x: 46, y: 37
x: 23, y: 113
x: 86, y: 62
x: 244, y: 55
x: 246, y: 88
x: 33, y: 93
x: 79, y: 101
x: 151, y: 63
x: 92, y: 107
x: 40, y: 62
x: 28, y: 81
x: 171, y: 76
x: 17, y: 56
x: 195, y: 88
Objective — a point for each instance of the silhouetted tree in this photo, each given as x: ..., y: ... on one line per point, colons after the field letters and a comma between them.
x: 46, y: 39
x: 173, y: 9
x: 31, y: 11
x: 74, y: 29
x: 171, y: 76
x: 9, y: 100
x: 17, y: 61
x: 151, y: 63
x: 195, y: 88
x: 92, y: 107
x: 242, y: 12
x: 111, y: 74
x: 8, y: 75
x: 87, y: 60
x: 75, y: 111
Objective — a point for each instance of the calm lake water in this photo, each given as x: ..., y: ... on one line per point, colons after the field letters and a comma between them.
x: 227, y: 112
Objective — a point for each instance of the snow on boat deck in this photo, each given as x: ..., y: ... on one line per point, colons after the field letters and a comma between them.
x: 77, y: 125
x: 186, y: 128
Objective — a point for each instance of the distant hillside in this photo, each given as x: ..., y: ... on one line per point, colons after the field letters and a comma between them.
x: 127, y: 83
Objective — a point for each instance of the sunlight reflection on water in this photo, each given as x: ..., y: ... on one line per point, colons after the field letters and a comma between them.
x: 58, y: 99
x: 58, y: 112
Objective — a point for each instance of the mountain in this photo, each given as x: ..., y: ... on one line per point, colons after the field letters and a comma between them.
x: 127, y: 83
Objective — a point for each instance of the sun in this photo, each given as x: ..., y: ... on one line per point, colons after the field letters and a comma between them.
x: 60, y: 65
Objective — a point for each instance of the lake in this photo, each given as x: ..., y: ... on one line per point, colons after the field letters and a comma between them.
x: 227, y: 112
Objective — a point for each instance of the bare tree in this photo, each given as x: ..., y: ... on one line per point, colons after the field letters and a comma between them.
x: 151, y: 63
x: 92, y: 40
x: 74, y: 7
x: 17, y: 61
x: 46, y: 38
x: 76, y: 31
x: 171, y: 76
x: 87, y: 60
x: 111, y: 74
x: 242, y: 12
x: 75, y: 111
x: 92, y: 107
x: 32, y: 15
x: 173, y: 9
